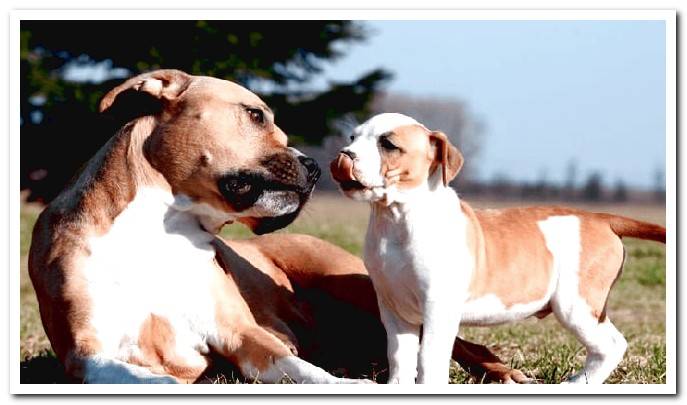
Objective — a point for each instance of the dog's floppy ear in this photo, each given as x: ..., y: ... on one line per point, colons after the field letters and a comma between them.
x: 447, y: 155
x: 145, y: 94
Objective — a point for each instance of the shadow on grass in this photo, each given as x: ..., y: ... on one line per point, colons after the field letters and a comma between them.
x: 43, y: 369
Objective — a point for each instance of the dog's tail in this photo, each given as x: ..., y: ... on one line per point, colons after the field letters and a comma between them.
x: 623, y: 226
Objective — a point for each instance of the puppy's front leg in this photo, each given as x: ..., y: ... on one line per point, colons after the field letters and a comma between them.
x: 403, y: 342
x: 439, y: 331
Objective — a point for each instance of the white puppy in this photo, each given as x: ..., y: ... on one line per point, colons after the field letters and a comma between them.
x: 436, y: 263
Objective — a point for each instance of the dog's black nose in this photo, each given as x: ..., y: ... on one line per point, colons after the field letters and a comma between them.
x: 311, y: 166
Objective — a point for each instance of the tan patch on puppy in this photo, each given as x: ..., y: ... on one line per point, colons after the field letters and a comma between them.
x: 601, y: 261
x: 501, y: 263
x: 412, y: 158
x: 417, y: 154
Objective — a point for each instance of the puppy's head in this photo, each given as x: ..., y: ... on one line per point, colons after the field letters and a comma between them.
x: 217, y: 146
x: 393, y: 152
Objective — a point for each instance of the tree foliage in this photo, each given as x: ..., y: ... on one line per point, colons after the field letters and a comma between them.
x: 279, y: 60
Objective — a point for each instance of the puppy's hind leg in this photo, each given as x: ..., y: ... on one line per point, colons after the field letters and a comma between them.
x: 605, y: 345
x: 586, y: 277
x: 605, y: 349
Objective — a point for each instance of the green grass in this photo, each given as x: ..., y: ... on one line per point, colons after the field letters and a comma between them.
x: 542, y: 349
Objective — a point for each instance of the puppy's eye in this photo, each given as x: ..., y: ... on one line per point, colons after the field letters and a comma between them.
x: 352, y: 138
x: 256, y: 115
x: 386, y: 144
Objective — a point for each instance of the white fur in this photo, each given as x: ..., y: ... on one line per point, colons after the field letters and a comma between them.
x: 417, y: 284
x: 99, y: 370
x: 153, y: 260
x: 269, y: 204
x: 210, y: 217
x: 295, y: 369
x: 157, y: 259
x: 274, y: 204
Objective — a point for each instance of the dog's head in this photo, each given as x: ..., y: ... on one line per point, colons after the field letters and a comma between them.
x: 217, y: 146
x: 391, y: 154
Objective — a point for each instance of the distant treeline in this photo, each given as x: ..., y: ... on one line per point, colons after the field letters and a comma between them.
x: 592, y: 191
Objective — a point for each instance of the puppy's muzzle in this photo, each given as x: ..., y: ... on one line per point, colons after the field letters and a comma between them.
x: 342, y: 172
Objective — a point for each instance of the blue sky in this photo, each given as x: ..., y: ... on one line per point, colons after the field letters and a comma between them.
x: 548, y: 91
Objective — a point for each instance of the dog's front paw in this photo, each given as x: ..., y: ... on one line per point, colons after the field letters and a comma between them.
x: 353, y: 381
x: 506, y: 375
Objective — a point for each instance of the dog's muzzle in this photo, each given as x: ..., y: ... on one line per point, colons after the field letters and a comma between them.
x: 273, y: 196
x: 342, y: 172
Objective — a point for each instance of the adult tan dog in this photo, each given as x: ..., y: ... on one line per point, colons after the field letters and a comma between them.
x: 133, y: 285
x: 437, y: 263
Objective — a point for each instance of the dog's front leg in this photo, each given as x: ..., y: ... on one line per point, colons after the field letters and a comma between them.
x: 439, y: 331
x: 403, y: 342
x: 262, y: 356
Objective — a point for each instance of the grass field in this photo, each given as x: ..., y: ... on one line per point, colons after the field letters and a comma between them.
x: 540, y: 348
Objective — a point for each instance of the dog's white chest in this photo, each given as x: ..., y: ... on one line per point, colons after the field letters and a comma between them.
x: 153, y: 260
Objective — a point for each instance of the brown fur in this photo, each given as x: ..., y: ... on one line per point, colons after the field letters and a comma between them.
x: 447, y: 156
x: 414, y: 167
x: 504, y: 255
x: 156, y: 341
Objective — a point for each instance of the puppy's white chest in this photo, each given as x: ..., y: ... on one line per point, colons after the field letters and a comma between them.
x: 396, y: 279
x: 417, y: 260
x: 153, y: 260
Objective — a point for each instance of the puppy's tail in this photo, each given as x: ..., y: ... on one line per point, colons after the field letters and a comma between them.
x: 623, y: 226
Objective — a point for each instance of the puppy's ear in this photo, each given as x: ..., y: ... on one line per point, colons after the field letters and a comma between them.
x: 447, y: 155
x: 145, y: 94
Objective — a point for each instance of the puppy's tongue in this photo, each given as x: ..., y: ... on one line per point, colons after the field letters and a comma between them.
x: 342, y: 168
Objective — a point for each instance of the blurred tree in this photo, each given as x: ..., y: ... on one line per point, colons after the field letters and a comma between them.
x: 276, y: 59
x: 571, y: 180
x: 445, y: 114
x: 620, y: 192
x: 593, y: 187
x: 660, y: 184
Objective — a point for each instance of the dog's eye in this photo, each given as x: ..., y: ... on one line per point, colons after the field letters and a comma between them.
x: 352, y: 138
x: 386, y: 144
x: 256, y: 115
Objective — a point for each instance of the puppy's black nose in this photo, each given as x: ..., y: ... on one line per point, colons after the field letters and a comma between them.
x: 349, y: 153
x: 311, y: 166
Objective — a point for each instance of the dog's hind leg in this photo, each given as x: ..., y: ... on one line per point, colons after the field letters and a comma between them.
x: 484, y: 365
x: 262, y: 356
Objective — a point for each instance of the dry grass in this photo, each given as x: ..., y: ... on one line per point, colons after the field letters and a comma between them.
x: 542, y: 349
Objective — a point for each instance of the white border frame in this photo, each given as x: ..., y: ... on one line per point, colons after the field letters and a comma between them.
x: 668, y: 16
